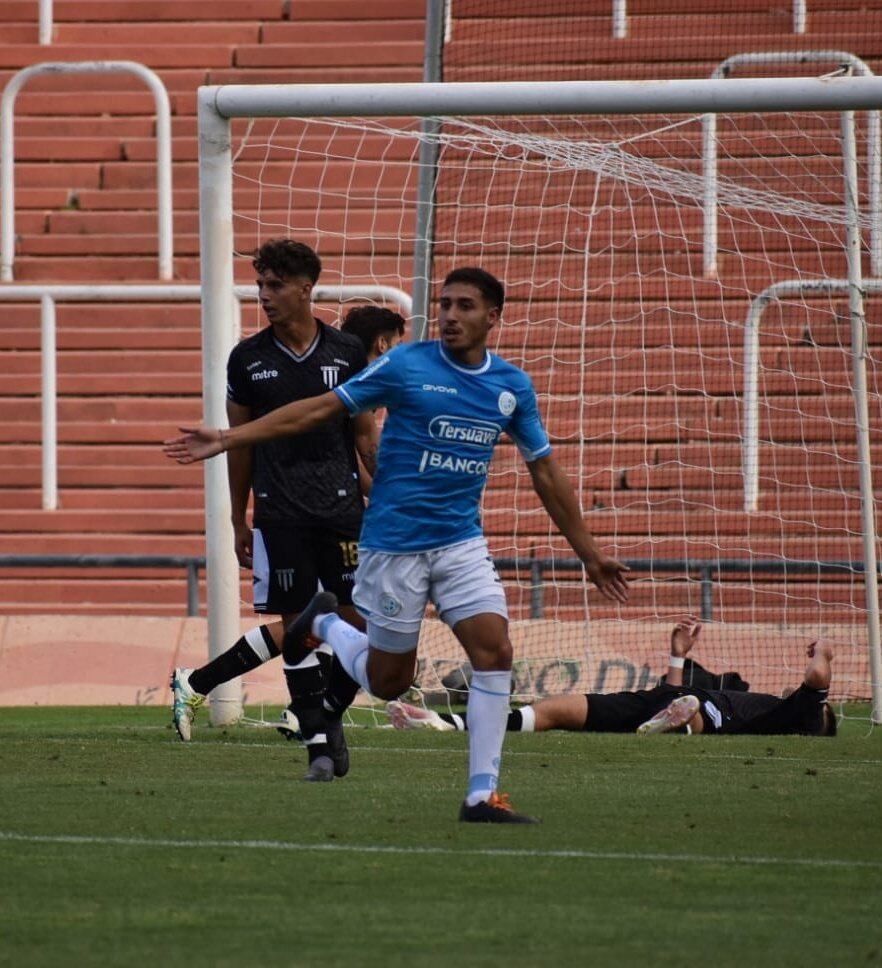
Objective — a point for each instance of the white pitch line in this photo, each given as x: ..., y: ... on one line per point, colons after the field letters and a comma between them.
x: 820, y: 862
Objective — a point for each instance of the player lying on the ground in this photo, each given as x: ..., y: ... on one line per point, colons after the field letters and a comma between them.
x: 667, y: 708
x: 449, y: 402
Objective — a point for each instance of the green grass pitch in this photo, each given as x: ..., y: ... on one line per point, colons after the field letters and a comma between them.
x: 119, y: 845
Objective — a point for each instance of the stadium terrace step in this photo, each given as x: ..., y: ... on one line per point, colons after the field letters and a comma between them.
x: 115, y: 319
x: 341, y: 53
x: 28, y: 127
x: 85, y: 103
x: 102, y: 339
x: 109, y: 245
x: 105, y: 476
x: 122, y: 409
x: 69, y: 149
x: 154, y: 32
x: 176, y: 80
x: 97, y: 543
x: 77, y: 11
x: 332, y: 32
x: 695, y: 26
x: 142, y: 521
x: 352, y: 74
x: 119, y: 499
x: 97, y: 269
x: 355, y: 10
x: 70, y: 175
x: 141, y: 432
x: 607, y: 49
x: 157, y: 55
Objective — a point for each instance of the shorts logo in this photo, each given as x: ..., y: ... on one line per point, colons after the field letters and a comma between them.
x: 285, y: 578
x: 507, y: 403
x: 331, y: 376
x: 462, y: 430
x: 389, y: 605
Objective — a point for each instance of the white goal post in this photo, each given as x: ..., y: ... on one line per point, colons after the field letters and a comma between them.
x: 218, y: 106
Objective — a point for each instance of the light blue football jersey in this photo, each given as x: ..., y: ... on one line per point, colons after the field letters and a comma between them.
x: 444, y: 420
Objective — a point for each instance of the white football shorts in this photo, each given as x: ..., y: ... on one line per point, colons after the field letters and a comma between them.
x: 392, y: 591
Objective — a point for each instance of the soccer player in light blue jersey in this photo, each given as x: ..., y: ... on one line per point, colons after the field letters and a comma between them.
x: 448, y: 401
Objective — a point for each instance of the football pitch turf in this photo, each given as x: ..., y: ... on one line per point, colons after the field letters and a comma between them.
x: 119, y: 845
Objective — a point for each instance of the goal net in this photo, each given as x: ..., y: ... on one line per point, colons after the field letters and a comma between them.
x: 596, y: 225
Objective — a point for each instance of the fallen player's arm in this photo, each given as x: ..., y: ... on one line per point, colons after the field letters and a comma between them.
x: 200, y: 443
x: 682, y: 639
x: 556, y: 493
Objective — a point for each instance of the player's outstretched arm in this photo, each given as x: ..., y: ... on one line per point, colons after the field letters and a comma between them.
x: 556, y: 493
x: 200, y: 443
x: 683, y: 637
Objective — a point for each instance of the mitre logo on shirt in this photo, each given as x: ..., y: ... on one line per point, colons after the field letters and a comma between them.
x: 264, y: 374
x: 331, y: 376
x: 463, y: 430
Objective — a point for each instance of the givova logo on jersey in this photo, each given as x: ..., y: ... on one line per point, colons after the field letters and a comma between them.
x: 463, y: 430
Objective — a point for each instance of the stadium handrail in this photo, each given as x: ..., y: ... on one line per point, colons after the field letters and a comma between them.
x: 750, y: 427
x: 620, y: 18
x: 705, y: 569
x: 193, y: 564
x: 849, y: 62
x: 49, y: 294
x: 45, y: 14
x: 163, y: 153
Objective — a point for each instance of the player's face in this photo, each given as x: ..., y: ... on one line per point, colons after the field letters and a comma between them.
x: 465, y: 318
x: 282, y: 299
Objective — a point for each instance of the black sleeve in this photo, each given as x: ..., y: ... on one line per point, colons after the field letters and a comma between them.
x: 238, y: 387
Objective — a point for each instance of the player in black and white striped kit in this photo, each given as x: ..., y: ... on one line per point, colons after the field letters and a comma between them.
x: 308, y: 502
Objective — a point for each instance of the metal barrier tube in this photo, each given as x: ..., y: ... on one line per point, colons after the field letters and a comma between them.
x: 750, y: 431
x: 49, y: 404
x: 7, y: 153
x: 858, y: 68
x: 45, y: 22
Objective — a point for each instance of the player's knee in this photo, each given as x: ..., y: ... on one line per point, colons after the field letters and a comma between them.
x: 386, y: 685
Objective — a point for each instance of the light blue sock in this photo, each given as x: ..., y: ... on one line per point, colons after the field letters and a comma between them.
x: 489, y: 695
x: 349, y: 645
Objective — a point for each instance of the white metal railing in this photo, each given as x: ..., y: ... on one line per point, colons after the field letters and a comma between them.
x: 874, y: 149
x: 750, y: 421
x: 7, y: 152
x: 49, y: 295
x: 620, y: 17
x: 45, y: 22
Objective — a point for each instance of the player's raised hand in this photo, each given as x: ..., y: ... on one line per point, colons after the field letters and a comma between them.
x: 820, y: 648
x: 196, y: 443
x: 610, y: 577
x: 684, y: 636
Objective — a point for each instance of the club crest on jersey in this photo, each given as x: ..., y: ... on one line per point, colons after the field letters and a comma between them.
x: 389, y: 605
x: 330, y: 376
x: 463, y: 430
x: 507, y: 403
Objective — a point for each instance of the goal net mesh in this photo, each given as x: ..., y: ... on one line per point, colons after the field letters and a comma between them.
x: 595, y: 225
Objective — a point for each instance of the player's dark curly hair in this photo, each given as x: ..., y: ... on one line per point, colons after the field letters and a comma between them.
x: 369, y: 322
x: 288, y: 259
x: 489, y: 286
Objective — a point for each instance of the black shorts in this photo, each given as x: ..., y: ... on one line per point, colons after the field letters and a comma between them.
x: 802, y: 712
x: 291, y: 560
x: 623, y: 712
